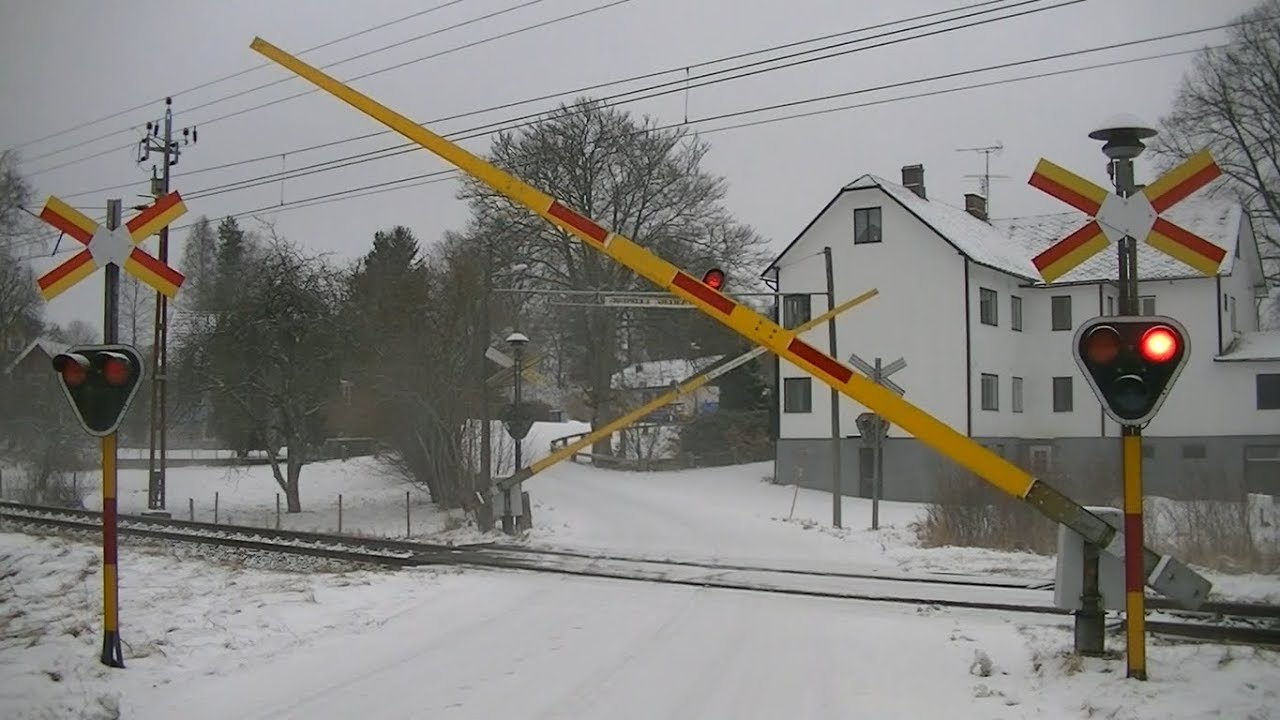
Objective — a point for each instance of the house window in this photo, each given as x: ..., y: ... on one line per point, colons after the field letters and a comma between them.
x: 1269, y: 391
x: 1041, y: 459
x: 1061, y: 305
x: 990, y: 392
x: 1231, y: 308
x: 1147, y: 305
x: 1015, y: 312
x: 1194, y: 451
x: 797, y: 395
x: 795, y: 310
x: 1111, y: 306
x: 1062, y: 397
x: 866, y: 226
x: 987, y: 306
x: 1016, y: 392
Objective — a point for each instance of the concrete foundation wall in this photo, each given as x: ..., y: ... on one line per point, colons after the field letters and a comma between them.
x: 1173, y: 467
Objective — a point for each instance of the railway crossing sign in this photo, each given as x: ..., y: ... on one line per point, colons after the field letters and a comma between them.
x: 117, y: 247
x: 1136, y: 216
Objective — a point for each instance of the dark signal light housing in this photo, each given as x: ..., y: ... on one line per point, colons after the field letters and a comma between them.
x: 1131, y: 363
x: 100, y: 382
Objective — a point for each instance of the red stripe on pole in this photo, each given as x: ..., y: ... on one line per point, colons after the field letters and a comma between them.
x: 1189, y: 240
x: 1186, y: 187
x: 823, y: 363
x: 703, y: 293
x: 66, y: 226
x: 1065, y: 194
x: 1066, y: 245
x: 1133, y: 549
x: 65, y: 269
x: 573, y: 219
x: 109, y: 531
x: 160, y: 206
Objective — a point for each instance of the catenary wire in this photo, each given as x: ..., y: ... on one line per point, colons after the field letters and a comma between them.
x: 486, y: 130
x: 451, y: 174
x: 236, y: 74
x: 131, y: 128
x: 583, y: 89
x: 671, y: 88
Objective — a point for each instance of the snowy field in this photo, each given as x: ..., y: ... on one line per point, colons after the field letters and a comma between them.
x: 214, y: 639
x: 209, y: 635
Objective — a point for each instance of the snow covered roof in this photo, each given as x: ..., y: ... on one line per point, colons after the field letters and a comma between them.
x: 1009, y: 244
x: 979, y: 241
x: 50, y: 347
x: 660, y: 373
x: 1253, y: 346
x: 1214, y: 220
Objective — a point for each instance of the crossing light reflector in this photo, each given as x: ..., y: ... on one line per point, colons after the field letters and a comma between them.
x: 100, y: 381
x: 714, y: 278
x: 1131, y: 363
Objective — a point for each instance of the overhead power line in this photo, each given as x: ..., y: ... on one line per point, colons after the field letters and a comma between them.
x: 680, y: 85
x: 234, y: 75
x: 679, y: 68
x: 238, y: 94
x: 423, y: 179
x: 494, y: 128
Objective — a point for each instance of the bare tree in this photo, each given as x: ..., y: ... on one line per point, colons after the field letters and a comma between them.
x: 273, y: 355
x: 634, y: 178
x: 76, y: 332
x: 20, y: 304
x: 1230, y: 104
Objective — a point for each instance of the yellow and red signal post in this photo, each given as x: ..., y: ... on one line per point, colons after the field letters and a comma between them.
x: 1124, y: 218
x: 110, y: 247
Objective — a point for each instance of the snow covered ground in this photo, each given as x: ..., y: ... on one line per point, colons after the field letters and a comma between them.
x: 219, y: 638
x: 213, y: 639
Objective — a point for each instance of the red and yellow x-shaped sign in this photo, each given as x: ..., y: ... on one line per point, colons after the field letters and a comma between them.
x: 103, y: 246
x: 1137, y: 216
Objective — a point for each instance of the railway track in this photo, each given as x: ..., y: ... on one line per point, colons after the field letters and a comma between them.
x: 1221, y: 622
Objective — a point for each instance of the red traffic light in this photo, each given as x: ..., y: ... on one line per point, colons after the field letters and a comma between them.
x: 116, y: 370
x: 74, y: 369
x: 1159, y: 344
x: 713, y: 278
x: 1102, y: 345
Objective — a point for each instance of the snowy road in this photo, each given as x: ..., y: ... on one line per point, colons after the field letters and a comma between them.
x: 548, y: 647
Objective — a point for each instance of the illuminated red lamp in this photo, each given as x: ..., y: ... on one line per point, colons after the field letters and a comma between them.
x: 116, y: 370
x: 1159, y: 344
x: 714, y: 278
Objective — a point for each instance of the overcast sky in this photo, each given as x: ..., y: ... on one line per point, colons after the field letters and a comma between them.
x: 63, y: 62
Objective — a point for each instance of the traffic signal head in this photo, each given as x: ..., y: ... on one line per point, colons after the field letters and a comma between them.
x: 714, y: 278
x: 1131, y: 363
x: 100, y: 381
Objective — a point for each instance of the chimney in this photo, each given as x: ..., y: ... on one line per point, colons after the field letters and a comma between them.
x: 976, y: 205
x: 913, y: 179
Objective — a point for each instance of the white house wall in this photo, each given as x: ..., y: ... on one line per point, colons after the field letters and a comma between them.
x: 918, y: 276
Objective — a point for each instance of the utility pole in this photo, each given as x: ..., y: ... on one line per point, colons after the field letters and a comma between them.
x: 837, y: 465
x: 169, y: 150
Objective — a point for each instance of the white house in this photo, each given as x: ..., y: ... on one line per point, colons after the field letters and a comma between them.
x: 987, y: 344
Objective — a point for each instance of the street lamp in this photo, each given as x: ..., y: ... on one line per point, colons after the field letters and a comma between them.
x: 517, y: 341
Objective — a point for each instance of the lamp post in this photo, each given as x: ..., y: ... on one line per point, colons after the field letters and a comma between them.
x: 517, y: 341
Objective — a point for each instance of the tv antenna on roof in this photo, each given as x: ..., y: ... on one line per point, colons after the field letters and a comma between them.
x: 984, y: 178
